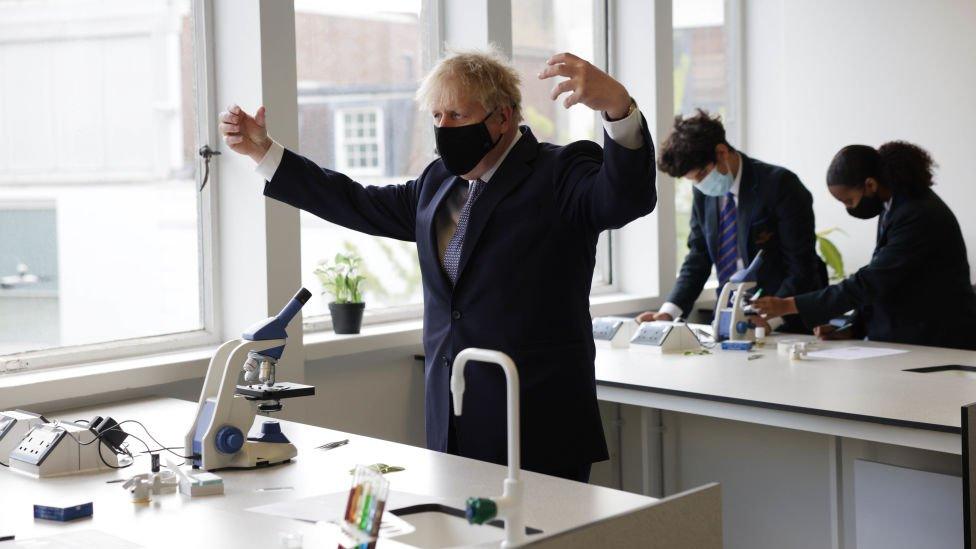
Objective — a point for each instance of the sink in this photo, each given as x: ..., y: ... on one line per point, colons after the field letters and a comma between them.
x: 442, y: 526
x: 955, y: 370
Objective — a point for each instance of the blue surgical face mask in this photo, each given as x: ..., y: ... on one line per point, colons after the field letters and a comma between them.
x: 715, y: 183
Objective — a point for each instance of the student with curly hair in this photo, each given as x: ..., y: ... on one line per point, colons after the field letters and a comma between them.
x: 741, y: 206
x: 920, y: 256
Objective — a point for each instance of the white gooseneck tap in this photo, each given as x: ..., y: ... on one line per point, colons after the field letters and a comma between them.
x: 508, y: 507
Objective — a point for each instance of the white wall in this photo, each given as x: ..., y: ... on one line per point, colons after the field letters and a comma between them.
x: 821, y: 75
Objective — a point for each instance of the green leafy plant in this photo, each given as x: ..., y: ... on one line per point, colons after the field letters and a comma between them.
x: 830, y: 254
x: 341, y: 278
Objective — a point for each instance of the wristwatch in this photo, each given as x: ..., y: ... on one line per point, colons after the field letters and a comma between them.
x: 630, y: 111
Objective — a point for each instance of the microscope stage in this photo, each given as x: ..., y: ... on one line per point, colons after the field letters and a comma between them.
x: 280, y: 390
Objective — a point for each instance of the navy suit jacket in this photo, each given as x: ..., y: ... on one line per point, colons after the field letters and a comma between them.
x: 523, y: 283
x: 916, y: 289
x: 774, y: 214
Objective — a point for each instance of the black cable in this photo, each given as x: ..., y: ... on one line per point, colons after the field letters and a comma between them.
x: 167, y: 449
x: 98, y: 438
x: 695, y: 332
x: 107, y: 464
x: 152, y: 438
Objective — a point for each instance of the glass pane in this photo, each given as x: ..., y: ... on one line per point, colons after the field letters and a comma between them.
x: 540, y: 29
x: 377, y: 86
x: 700, y: 81
x: 99, y: 227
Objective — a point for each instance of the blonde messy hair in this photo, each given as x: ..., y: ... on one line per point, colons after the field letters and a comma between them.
x: 485, y: 76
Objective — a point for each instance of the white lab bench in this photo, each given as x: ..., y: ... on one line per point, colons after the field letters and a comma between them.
x: 789, y: 441
x: 570, y: 514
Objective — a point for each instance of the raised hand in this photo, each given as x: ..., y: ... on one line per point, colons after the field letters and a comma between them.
x: 586, y: 84
x: 245, y: 134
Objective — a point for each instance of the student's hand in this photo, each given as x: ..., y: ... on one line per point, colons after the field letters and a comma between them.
x: 761, y: 322
x: 772, y: 307
x: 588, y: 84
x: 651, y: 316
x: 828, y: 332
x: 245, y: 134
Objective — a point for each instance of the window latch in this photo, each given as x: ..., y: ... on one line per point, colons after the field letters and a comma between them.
x: 206, y: 152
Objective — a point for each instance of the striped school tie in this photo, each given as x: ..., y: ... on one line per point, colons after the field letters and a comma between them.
x: 452, y: 255
x: 728, y: 254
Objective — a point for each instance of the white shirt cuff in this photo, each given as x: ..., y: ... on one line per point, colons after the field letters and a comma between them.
x: 671, y: 309
x: 626, y: 131
x: 272, y: 159
x: 775, y: 323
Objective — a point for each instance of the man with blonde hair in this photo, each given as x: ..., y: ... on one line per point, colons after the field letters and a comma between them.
x: 506, y: 231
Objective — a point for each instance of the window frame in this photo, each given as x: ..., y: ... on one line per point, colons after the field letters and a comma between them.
x: 342, y: 141
x: 206, y: 132
x: 733, y: 122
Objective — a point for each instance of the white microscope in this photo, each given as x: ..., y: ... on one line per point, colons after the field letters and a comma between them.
x: 219, y: 436
x: 732, y: 311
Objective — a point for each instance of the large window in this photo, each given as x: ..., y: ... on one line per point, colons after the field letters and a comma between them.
x: 540, y: 29
x: 359, y: 65
x: 99, y: 224
x: 701, y: 80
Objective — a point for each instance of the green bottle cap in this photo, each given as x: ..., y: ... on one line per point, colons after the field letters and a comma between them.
x: 480, y: 510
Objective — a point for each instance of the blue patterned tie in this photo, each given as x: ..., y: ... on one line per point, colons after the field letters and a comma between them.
x: 728, y: 255
x: 452, y: 255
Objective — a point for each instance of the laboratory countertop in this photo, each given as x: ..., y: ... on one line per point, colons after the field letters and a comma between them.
x: 875, y: 390
x: 552, y: 505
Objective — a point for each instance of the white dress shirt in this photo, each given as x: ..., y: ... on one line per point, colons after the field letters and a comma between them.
x: 626, y: 132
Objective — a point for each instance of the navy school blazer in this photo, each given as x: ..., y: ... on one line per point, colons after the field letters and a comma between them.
x: 774, y: 214
x: 916, y: 289
x: 523, y: 283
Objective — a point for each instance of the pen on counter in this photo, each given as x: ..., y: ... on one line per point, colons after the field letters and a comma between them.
x: 331, y: 445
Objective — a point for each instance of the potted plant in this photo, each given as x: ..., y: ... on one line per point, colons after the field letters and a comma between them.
x: 341, y: 278
x: 830, y: 254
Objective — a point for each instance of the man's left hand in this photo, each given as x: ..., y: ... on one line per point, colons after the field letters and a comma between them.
x: 587, y: 85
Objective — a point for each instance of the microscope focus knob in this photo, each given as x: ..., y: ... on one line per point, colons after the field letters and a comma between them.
x: 229, y: 440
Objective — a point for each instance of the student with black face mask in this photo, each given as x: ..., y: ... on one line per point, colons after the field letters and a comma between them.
x: 920, y: 256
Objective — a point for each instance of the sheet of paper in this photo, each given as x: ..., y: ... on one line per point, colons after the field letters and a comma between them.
x: 854, y: 353
x: 331, y: 508
x: 81, y: 539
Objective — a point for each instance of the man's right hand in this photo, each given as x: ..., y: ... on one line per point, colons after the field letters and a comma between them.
x: 651, y: 316
x: 245, y: 134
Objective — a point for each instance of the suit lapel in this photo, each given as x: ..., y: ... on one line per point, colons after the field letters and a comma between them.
x: 744, y: 208
x: 514, y: 169
x: 432, y: 246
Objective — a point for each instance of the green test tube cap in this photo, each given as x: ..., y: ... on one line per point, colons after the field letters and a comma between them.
x: 480, y: 510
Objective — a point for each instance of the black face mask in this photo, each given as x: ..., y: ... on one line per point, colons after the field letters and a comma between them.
x: 462, y: 147
x: 867, y: 207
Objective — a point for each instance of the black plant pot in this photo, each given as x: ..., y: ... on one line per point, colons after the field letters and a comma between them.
x: 347, y: 318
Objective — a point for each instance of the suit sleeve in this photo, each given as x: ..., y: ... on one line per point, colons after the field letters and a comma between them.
x: 794, y: 210
x: 697, y: 265
x: 606, y: 189
x: 388, y: 211
x: 893, y: 263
